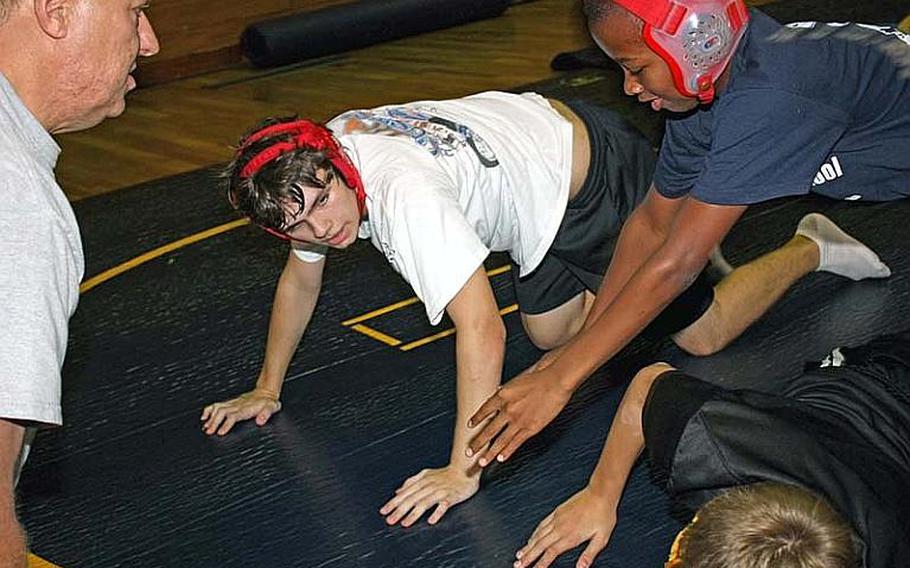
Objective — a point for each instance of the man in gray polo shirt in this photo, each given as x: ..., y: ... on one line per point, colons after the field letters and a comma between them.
x: 64, y: 65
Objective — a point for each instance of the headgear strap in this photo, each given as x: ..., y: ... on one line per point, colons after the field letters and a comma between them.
x: 309, y: 135
x: 697, y: 38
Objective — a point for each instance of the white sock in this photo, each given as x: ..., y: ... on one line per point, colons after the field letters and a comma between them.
x: 840, y: 253
x: 718, y: 262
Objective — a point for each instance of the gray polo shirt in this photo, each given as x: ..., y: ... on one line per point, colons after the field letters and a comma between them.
x: 41, y: 265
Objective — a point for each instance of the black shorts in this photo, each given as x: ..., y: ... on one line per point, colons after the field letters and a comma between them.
x: 619, y: 175
x: 885, y: 359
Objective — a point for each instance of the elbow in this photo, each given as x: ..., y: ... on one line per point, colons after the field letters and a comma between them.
x: 488, y: 331
x: 497, y: 331
x: 677, y: 269
x: 643, y: 380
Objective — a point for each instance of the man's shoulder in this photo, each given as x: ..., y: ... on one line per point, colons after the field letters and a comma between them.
x: 20, y: 173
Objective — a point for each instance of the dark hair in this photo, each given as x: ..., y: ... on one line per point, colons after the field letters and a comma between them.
x: 768, y: 525
x: 263, y: 196
x: 598, y: 10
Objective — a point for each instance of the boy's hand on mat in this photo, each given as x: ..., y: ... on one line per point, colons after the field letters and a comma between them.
x: 519, y: 410
x: 442, y: 488
x: 585, y: 517
x: 220, y: 417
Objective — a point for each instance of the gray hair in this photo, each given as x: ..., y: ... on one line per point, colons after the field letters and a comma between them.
x: 7, y: 6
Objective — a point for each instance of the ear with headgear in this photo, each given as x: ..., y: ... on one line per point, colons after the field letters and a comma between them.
x: 54, y: 17
x: 304, y: 134
x: 697, y: 38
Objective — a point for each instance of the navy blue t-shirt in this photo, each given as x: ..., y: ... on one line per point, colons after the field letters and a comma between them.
x: 808, y: 107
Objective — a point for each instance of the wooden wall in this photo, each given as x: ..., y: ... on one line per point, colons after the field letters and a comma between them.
x: 202, y: 35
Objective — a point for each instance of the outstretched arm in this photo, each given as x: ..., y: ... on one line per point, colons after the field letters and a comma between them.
x: 590, y: 515
x: 295, y: 300
x: 480, y: 347
x: 12, y: 540
x: 695, y: 230
x: 674, y: 265
x: 643, y: 233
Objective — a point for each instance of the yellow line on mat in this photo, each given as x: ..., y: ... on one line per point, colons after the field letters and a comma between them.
x: 410, y: 301
x: 160, y: 251
x: 36, y: 562
x: 377, y: 335
x: 353, y: 323
x: 498, y: 271
x: 428, y: 339
x: 448, y: 332
x: 380, y: 311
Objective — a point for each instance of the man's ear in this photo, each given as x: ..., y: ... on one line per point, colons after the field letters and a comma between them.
x: 54, y: 17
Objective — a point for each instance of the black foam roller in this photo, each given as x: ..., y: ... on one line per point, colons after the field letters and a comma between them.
x: 336, y: 29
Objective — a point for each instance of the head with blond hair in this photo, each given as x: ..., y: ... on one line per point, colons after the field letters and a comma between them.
x: 766, y: 525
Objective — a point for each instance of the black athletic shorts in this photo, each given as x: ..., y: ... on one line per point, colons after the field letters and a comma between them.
x: 885, y: 359
x: 619, y: 175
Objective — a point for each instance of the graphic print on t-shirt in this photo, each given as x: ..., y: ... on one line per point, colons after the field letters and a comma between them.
x: 440, y: 136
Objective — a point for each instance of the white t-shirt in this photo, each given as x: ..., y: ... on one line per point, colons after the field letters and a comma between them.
x: 41, y: 264
x: 447, y: 182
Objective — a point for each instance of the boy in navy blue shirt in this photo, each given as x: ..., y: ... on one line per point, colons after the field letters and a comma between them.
x: 758, y: 111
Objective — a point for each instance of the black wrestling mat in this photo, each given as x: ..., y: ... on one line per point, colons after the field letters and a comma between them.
x: 132, y: 481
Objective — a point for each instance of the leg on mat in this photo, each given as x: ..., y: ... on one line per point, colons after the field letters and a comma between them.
x: 554, y: 328
x: 751, y: 289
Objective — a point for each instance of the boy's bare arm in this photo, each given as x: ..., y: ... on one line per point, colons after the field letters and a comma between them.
x: 643, y: 233
x: 523, y: 406
x: 295, y: 300
x: 480, y: 347
x: 590, y: 515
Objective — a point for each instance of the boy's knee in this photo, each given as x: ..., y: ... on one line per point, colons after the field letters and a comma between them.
x: 545, y: 337
x: 699, y: 341
x: 707, y: 335
x: 556, y: 327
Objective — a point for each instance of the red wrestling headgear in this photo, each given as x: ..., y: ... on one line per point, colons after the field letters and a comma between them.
x: 309, y: 135
x: 696, y: 38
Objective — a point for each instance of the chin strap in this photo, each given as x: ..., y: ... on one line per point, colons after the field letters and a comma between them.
x: 306, y: 135
x: 705, y: 90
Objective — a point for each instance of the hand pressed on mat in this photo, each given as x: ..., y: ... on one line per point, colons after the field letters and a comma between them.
x: 585, y: 517
x: 441, y: 488
x: 220, y: 417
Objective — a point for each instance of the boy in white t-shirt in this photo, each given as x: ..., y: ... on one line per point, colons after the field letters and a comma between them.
x: 436, y: 186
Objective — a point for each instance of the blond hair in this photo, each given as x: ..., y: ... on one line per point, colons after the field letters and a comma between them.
x: 768, y: 525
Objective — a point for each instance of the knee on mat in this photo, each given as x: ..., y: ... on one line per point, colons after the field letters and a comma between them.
x: 546, y: 337
x: 700, y: 344
x: 546, y: 341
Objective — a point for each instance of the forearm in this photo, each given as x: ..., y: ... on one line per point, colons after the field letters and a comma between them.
x: 479, y: 354
x: 12, y: 539
x: 291, y: 313
x: 637, y: 242
x: 625, y: 440
x: 657, y: 283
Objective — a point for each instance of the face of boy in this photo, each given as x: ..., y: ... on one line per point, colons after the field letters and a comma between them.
x: 330, y: 217
x: 646, y: 75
